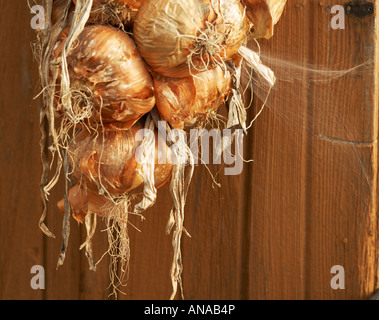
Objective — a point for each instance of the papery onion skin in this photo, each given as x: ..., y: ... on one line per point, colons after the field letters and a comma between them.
x: 114, y: 12
x: 58, y: 9
x: 105, y: 161
x: 82, y: 201
x: 264, y: 14
x: 133, y: 4
x: 187, y: 102
x: 106, y: 61
x: 168, y: 32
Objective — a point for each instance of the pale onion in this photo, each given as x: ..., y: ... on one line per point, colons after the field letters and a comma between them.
x: 180, y: 38
x: 107, y: 72
x: 188, y: 102
x: 264, y: 14
x: 114, y: 12
x: 105, y: 161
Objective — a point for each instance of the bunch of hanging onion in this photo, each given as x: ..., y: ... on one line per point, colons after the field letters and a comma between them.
x: 178, y: 60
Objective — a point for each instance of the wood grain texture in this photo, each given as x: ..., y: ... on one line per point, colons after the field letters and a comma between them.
x: 212, y: 258
x: 151, y: 253
x: 277, y: 189
x: 20, y: 239
x: 314, y: 185
x: 342, y: 198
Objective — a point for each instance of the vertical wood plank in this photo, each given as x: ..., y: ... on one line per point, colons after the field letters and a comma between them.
x: 315, y: 154
x: 20, y: 238
x: 212, y: 258
x: 342, y: 194
x: 375, y: 208
x: 277, y: 191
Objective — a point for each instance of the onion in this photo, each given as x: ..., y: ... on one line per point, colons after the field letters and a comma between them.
x: 105, y: 161
x: 188, y: 102
x: 114, y: 12
x: 108, y: 74
x: 264, y: 14
x: 180, y: 38
x: 83, y: 200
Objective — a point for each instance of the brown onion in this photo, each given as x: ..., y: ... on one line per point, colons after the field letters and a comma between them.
x: 188, y: 102
x: 264, y: 14
x: 180, y: 38
x: 105, y: 161
x: 82, y: 201
x: 107, y: 71
x: 114, y: 12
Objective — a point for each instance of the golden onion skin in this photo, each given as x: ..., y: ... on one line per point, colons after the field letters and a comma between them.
x: 114, y: 12
x: 168, y: 32
x: 82, y: 201
x: 187, y: 102
x: 264, y: 14
x: 106, y: 61
x: 106, y: 161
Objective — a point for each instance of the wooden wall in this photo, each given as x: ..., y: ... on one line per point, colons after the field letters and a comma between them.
x: 308, y: 202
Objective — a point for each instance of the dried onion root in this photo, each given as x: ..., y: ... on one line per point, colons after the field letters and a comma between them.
x: 181, y: 157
